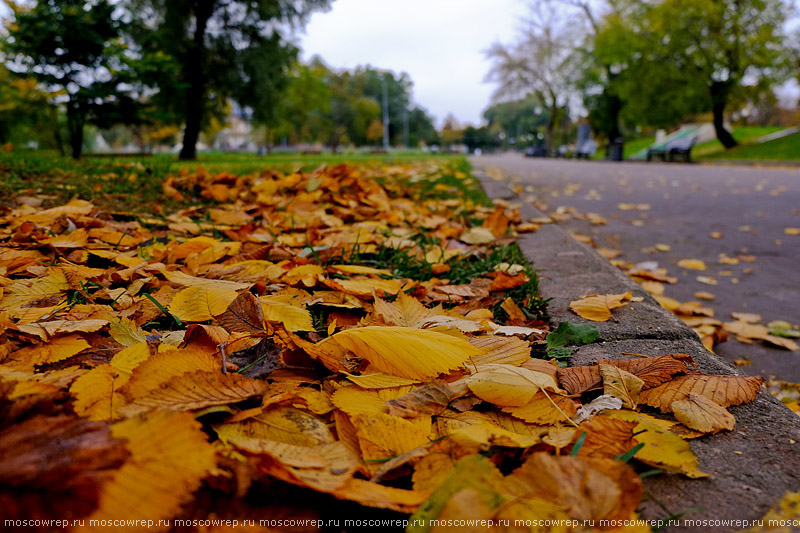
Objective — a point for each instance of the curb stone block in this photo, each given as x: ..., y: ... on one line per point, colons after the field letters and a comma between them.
x: 751, y: 467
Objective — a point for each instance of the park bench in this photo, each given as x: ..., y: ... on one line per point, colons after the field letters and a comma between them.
x: 667, y: 151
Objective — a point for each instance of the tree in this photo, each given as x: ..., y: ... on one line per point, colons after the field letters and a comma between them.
x: 517, y: 119
x: 541, y: 63
x: 701, y: 55
x: 226, y: 50
x: 24, y: 108
x: 75, y: 50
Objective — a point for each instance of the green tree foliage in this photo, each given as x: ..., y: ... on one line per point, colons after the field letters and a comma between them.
x: 695, y: 55
x: 517, y: 119
x: 226, y: 50
x: 335, y: 107
x: 483, y: 138
x: 75, y: 49
x: 24, y: 108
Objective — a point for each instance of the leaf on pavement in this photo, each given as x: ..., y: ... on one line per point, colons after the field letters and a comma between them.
x: 724, y: 390
x: 692, y: 264
x: 406, y: 352
x: 621, y: 384
x: 699, y: 413
x: 662, y: 448
x: 597, y: 308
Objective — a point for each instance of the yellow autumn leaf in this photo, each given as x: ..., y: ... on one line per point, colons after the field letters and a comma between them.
x: 702, y: 414
x: 169, y: 457
x: 404, y: 311
x: 382, y: 436
x: 509, y: 386
x: 19, y: 293
x: 361, y: 269
x: 47, y: 329
x: 364, y: 287
x: 597, y: 308
x: 692, y: 264
x: 406, y: 352
x: 125, y: 331
x: 199, y: 303
x: 478, y: 235
x: 95, y: 393
x: 662, y: 449
x: 379, y: 380
x: 280, y: 424
x: 293, y: 317
x: 545, y: 410
x: 53, y: 351
x: 355, y: 400
x: 500, y: 350
x: 621, y: 384
x: 195, y: 390
x: 155, y: 371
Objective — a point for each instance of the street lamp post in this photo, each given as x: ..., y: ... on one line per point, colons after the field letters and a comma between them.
x: 385, y: 113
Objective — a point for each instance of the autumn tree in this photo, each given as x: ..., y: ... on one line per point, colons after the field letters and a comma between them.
x: 226, y: 50
x: 24, y: 108
x: 75, y: 50
x: 542, y: 63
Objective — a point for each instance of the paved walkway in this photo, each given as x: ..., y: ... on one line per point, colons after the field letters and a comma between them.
x: 751, y: 468
x: 699, y: 212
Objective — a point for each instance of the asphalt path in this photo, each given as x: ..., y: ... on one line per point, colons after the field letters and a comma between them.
x: 692, y: 211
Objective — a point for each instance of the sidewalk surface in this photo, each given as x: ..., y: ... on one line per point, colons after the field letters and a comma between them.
x: 751, y: 467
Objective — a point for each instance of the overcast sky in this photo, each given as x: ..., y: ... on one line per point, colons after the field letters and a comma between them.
x: 439, y: 43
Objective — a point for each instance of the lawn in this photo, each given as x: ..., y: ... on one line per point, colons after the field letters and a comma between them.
x: 135, y: 183
x: 783, y: 149
x: 745, y: 135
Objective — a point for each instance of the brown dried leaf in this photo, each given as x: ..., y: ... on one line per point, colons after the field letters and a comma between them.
x: 724, y: 390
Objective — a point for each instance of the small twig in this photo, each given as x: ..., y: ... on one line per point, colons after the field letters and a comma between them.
x: 224, y: 357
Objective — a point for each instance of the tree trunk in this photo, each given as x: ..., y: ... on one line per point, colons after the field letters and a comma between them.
x: 193, y: 70
x: 75, y: 121
x: 57, y: 130
x: 719, y: 98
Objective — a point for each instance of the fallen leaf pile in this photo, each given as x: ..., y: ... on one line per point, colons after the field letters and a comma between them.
x: 201, y: 365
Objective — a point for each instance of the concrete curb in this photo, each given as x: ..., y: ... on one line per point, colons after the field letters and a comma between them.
x: 752, y: 467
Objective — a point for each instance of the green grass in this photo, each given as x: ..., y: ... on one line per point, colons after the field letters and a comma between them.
x: 134, y: 183
x: 784, y: 149
x: 745, y: 135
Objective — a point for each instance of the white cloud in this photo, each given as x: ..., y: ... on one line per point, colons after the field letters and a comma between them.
x: 439, y: 43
